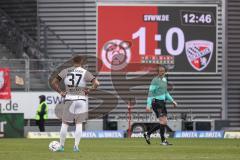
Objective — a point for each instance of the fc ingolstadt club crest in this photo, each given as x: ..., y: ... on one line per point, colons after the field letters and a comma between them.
x: 199, y: 53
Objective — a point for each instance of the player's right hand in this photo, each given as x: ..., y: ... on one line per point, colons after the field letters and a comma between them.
x: 148, y: 109
x: 86, y: 91
x: 63, y: 93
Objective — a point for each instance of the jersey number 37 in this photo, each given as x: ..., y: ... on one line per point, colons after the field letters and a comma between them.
x: 73, y: 79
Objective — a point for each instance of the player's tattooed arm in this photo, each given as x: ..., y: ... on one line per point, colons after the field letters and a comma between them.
x: 56, y: 85
x: 95, y: 84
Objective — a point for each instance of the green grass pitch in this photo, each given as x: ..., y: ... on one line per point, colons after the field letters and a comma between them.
x: 122, y: 149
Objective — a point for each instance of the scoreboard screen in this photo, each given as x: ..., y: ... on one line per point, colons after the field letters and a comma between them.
x: 133, y: 38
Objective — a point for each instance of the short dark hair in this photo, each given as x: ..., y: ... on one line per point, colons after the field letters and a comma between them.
x: 77, y: 59
x: 163, y: 66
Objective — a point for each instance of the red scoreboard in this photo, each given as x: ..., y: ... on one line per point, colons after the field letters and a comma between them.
x: 133, y: 38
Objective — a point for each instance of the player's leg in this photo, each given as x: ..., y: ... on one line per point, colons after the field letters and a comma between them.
x: 162, y: 121
x: 81, y: 109
x: 78, y: 135
x: 67, y: 117
x: 163, y: 124
x: 63, y: 134
x: 147, y: 135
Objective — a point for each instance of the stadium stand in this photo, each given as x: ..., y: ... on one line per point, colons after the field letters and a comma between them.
x: 24, y: 13
x: 16, y: 39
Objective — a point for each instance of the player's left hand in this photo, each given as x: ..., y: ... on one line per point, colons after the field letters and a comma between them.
x: 174, y: 104
x: 63, y: 93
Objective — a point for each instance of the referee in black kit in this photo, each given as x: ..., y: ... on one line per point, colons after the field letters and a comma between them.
x: 157, y: 97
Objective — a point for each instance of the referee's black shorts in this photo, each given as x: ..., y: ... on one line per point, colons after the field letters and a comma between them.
x: 159, y: 107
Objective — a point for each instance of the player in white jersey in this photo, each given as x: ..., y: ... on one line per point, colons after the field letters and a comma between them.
x: 76, y: 97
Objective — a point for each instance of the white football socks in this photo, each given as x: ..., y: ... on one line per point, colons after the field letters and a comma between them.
x: 78, y: 134
x: 63, y: 133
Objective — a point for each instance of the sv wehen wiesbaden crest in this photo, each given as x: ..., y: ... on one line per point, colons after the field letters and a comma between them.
x: 1, y: 79
x: 116, y: 54
x: 199, y: 53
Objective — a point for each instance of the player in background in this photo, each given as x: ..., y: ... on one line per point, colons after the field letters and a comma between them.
x: 76, y: 97
x: 157, y: 97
